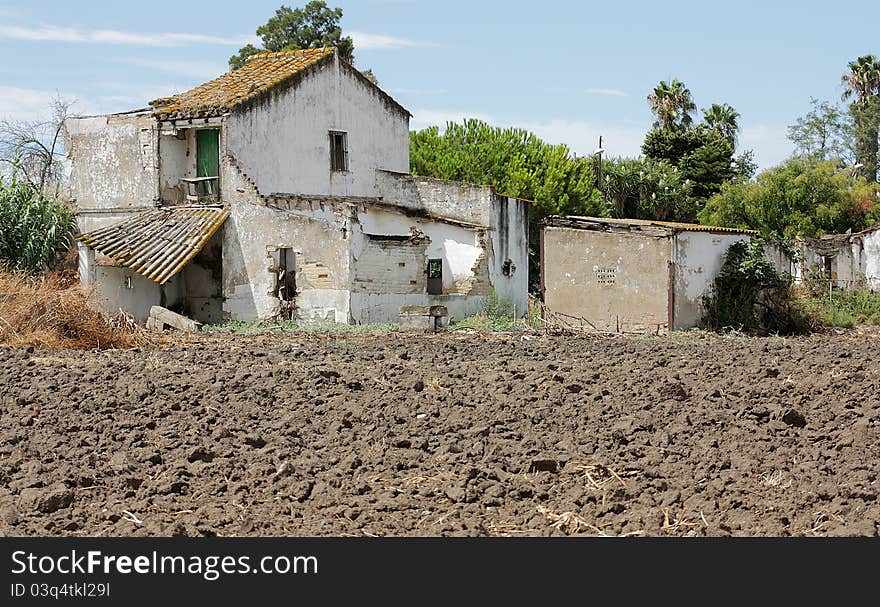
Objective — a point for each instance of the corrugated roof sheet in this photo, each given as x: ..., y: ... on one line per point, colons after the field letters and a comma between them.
x: 259, y: 73
x: 671, y: 225
x: 158, y: 244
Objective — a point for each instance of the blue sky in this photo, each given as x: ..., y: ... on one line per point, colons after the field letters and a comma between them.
x: 567, y: 70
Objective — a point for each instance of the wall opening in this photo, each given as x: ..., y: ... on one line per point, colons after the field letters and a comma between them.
x: 285, y: 281
x: 338, y: 151
x: 435, y: 276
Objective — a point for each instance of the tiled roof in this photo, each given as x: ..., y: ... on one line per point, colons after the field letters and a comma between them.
x: 158, y: 244
x: 259, y: 73
x: 604, y: 222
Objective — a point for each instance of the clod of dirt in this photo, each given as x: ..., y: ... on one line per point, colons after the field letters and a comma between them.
x: 46, y: 500
x: 257, y: 442
x: 200, y: 454
x: 673, y: 389
x: 794, y: 418
x: 543, y: 465
x: 419, y: 386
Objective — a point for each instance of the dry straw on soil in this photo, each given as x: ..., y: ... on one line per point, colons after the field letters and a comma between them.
x: 53, y: 311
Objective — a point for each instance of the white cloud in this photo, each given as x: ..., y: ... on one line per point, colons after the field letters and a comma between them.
x: 53, y: 33
x: 363, y: 40
x: 425, y: 118
x: 609, y: 92
x: 582, y: 137
x: 26, y: 104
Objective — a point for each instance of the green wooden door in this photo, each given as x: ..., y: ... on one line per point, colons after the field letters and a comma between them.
x: 208, y: 160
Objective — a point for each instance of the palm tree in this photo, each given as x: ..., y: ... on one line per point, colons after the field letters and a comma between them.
x: 723, y: 118
x: 672, y: 103
x: 863, y: 86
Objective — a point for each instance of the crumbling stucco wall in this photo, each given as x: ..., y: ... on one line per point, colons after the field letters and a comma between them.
x: 282, y: 140
x: 318, y: 238
x: 453, y: 200
x: 870, y: 259
x: 113, y: 161
x: 698, y: 258
x: 611, y: 281
x: 509, y: 251
x: 113, y: 292
x: 383, y: 239
x: 838, y: 248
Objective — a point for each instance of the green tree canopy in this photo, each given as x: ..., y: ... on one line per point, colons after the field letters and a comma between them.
x: 514, y: 162
x: 703, y: 155
x: 313, y: 26
x: 722, y: 118
x: 824, y: 133
x: 862, y: 83
x: 800, y: 197
x: 672, y: 105
x: 644, y: 188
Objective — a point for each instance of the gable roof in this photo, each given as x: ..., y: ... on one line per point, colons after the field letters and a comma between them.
x: 259, y: 74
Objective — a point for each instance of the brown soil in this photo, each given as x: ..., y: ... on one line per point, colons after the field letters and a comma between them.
x: 296, y: 435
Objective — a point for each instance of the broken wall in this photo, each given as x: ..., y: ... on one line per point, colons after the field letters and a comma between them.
x: 390, y: 253
x: 316, y: 232
x: 113, y: 162
x: 698, y: 258
x: 462, y: 202
x: 610, y: 281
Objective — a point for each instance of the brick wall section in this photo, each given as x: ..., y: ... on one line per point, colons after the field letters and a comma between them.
x: 391, y: 266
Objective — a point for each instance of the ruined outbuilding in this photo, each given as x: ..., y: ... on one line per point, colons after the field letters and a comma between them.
x: 282, y: 189
x: 847, y: 261
x: 631, y: 275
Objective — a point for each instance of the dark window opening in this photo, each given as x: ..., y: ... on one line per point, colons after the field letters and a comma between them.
x: 338, y: 151
x: 435, y: 276
x: 389, y: 237
x: 285, y: 275
x: 508, y: 268
x: 828, y: 273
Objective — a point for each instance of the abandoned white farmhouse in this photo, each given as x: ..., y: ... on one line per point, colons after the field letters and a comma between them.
x: 282, y: 188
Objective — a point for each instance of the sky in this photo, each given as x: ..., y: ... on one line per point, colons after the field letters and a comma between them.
x: 567, y: 70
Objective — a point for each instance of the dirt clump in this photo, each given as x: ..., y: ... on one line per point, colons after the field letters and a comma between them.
x: 446, y: 435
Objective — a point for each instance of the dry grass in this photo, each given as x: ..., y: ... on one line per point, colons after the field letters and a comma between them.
x: 599, y: 475
x: 52, y: 311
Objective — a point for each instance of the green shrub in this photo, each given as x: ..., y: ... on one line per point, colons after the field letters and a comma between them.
x: 750, y: 295
x: 843, y: 308
x: 496, y: 316
x: 35, y: 227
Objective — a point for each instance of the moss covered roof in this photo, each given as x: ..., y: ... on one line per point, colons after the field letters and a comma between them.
x: 260, y: 73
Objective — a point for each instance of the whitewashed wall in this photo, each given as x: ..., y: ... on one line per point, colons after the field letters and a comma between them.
x: 510, y: 241
x: 698, y: 257
x: 870, y: 255
x: 317, y: 237
x: 113, y: 161
x: 460, y: 249
x: 282, y: 141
